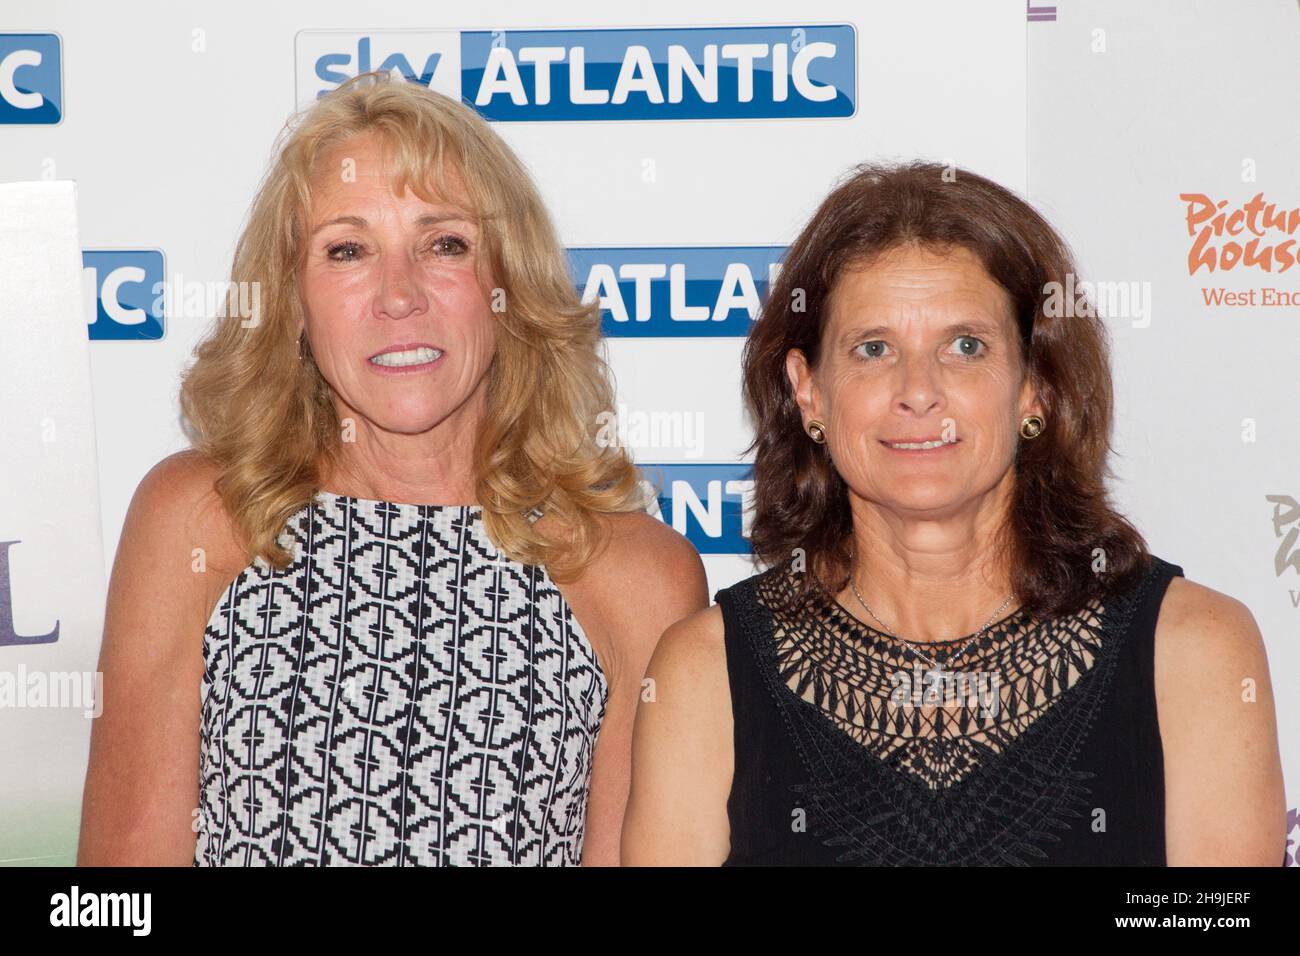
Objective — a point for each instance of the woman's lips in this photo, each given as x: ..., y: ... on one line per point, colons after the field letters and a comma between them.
x: 406, y: 360
x: 919, y: 446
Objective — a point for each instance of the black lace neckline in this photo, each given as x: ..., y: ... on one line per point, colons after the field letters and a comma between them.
x: 838, y: 671
x: 902, y: 779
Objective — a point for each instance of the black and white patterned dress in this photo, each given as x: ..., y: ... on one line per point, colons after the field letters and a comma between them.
x: 402, y: 694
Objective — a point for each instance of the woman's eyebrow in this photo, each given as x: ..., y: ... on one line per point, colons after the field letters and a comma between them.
x: 432, y: 219
x: 426, y: 219
x: 862, y: 333
x: 357, y: 221
x: 975, y: 327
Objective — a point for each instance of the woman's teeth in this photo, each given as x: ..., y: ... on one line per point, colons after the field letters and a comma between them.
x: 918, y: 445
x: 418, y: 356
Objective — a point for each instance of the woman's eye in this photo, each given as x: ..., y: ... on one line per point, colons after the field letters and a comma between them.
x: 450, y: 246
x: 873, y: 349
x: 968, y: 346
x: 349, y: 251
x: 344, y: 251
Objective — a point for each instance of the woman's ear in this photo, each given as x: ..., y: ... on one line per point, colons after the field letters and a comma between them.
x: 802, y: 387
x: 1030, y: 401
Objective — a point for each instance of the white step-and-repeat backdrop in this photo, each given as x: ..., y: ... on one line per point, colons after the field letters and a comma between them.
x: 1161, y: 141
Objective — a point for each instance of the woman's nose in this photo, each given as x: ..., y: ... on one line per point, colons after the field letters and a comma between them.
x: 400, y: 292
x: 919, y: 390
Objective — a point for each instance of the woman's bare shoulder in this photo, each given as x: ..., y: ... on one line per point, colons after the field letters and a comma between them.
x: 691, y: 658
x: 644, y: 578
x: 697, y: 635
x: 643, y: 537
x: 176, y: 506
x: 651, y: 560
x: 1218, y: 731
x: 1198, y: 620
x: 1210, y: 668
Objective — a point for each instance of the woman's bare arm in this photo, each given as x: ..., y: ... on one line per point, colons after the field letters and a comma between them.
x: 649, y: 578
x: 682, y: 751
x: 1224, y: 800
x: 141, y: 791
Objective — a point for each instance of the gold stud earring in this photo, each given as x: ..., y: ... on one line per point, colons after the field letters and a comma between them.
x: 817, y: 432
x: 1031, y: 427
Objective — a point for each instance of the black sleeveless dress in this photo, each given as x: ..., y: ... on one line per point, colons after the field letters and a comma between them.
x: 1039, y: 746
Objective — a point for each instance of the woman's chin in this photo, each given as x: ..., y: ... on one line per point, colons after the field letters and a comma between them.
x: 412, y: 422
x: 923, y: 502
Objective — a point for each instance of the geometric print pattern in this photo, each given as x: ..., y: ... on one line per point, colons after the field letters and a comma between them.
x: 402, y: 694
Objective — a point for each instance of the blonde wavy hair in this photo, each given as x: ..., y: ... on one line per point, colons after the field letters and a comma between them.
x: 267, y: 419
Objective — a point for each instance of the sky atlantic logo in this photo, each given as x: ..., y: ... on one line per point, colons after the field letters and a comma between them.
x: 9, y: 635
x: 764, y: 72
x: 121, y: 291
x: 31, y: 79
x: 671, y: 291
x: 711, y: 504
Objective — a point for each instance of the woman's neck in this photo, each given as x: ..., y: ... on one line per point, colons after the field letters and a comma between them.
x: 436, y: 466
x: 928, y: 578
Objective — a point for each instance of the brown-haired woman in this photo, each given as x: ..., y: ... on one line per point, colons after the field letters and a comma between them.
x: 959, y: 653
x: 432, y: 658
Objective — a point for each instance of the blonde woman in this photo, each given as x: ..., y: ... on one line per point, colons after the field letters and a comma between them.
x: 379, y: 614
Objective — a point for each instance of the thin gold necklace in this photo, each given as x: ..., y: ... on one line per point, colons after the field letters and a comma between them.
x: 912, y: 644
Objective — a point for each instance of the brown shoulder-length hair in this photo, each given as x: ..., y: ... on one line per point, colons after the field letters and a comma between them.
x: 1066, y: 544
x: 267, y: 418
